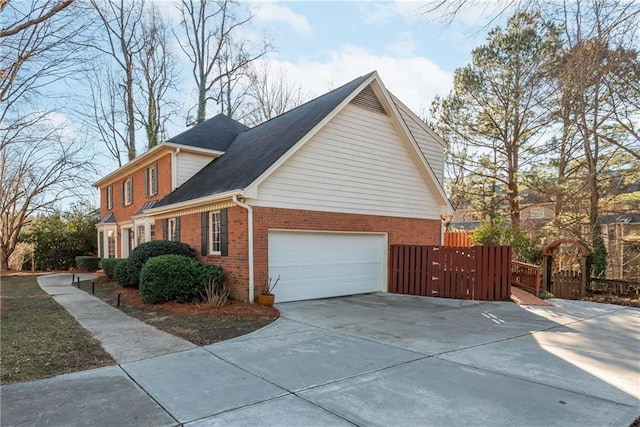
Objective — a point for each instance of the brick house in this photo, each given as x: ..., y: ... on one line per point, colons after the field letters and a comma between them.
x: 314, y: 196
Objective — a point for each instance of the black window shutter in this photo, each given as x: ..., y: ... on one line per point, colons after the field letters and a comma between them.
x: 146, y: 183
x: 224, y: 250
x: 178, y: 228
x: 165, y: 229
x: 122, y: 191
x: 204, y: 231
x: 131, y: 189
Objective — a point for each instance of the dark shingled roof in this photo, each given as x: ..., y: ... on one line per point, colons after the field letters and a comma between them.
x: 109, y: 218
x: 213, y: 134
x: 253, y: 151
x: 146, y: 206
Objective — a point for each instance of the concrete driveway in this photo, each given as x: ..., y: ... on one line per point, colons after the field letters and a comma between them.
x: 376, y: 359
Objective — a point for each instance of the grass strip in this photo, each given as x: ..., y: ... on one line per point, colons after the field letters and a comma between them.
x: 39, y: 338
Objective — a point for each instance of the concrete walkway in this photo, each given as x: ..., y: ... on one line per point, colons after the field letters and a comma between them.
x: 126, y: 339
x: 370, y: 360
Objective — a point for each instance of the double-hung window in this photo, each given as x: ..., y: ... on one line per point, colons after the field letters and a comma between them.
x: 151, y: 180
x: 109, y: 197
x: 215, y: 241
x: 128, y: 191
x: 172, y: 229
x: 111, y: 243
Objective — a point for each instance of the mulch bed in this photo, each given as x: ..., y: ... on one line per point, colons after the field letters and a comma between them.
x: 131, y: 297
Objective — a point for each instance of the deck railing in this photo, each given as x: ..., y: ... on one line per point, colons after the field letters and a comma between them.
x: 526, y: 276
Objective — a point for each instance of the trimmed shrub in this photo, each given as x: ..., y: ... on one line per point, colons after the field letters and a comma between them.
x: 87, y: 263
x: 121, y: 272
x: 109, y: 266
x: 143, y: 252
x: 171, y: 277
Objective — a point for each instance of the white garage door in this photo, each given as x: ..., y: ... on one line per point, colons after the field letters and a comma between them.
x: 320, y: 265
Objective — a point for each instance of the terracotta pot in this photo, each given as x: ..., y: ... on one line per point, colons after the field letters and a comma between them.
x: 266, y: 300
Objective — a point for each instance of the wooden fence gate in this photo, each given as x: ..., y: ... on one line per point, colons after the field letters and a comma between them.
x: 566, y: 284
x: 477, y: 273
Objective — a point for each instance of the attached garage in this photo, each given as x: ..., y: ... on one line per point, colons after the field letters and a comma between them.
x: 326, y: 264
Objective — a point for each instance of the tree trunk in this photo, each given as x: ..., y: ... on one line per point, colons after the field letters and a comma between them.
x: 131, y: 150
x: 4, y: 261
x: 202, y: 104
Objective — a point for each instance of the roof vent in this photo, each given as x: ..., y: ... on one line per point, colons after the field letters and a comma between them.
x: 368, y: 99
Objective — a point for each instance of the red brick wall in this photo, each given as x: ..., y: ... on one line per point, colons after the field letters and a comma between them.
x: 400, y: 231
x: 124, y: 213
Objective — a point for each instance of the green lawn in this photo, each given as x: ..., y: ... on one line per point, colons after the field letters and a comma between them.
x: 38, y: 338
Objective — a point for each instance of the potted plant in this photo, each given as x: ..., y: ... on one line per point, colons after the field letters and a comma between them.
x: 267, y: 298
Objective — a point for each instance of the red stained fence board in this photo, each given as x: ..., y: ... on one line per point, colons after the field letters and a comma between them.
x: 477, y: 273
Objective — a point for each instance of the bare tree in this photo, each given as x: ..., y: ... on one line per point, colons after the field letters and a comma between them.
x: 271, y: 94
x: 38, y: 161
x: 122, y: 20
x: 103, y: 110
x: 37, y: 171
x: 157, y: 70
x: 597, y: 33
x: 214, y: 45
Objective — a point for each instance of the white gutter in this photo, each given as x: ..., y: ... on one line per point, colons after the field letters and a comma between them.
x: 191, y: 203
x: 250, y: 238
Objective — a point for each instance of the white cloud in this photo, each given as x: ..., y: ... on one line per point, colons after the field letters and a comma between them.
x: 405, y: 47
x: 382, y: 13
x: 267, y: 12
x: 413, y: 79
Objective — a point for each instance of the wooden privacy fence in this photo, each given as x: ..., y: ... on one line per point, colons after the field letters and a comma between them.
x: 526, y: 276
x: 458, y: 239
x: 477, y: 273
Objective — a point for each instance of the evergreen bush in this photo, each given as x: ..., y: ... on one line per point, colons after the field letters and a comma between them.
x: 171, y: 277
x: 121, y: 272
x: 109, y: 265
x: 143, y: 252
x: 87, y: 263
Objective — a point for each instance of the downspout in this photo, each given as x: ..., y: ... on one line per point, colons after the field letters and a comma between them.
x: 250, y: 243
x: 174, y: 169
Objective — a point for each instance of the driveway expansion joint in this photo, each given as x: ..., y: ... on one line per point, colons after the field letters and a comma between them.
x: 144, y: 390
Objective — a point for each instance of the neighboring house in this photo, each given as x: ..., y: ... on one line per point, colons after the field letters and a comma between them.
x: 621, y: 234
x: 315, y: 196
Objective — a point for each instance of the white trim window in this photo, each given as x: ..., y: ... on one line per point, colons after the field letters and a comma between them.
x: 109, y: 197
x: 172, y: 229
x: 215, y: 240
x: 152, y: 180
x: 111, y: 243
x: 107, y: 235
x: 128, y: 191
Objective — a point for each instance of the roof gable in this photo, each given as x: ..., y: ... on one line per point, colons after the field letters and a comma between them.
x: 357, y: 163
x: 254, y: 151
x: 257, y: 152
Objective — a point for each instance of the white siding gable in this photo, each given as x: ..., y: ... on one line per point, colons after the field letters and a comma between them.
x: 432, y: 150
x: 188, y: 164
x: 356, y: 163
